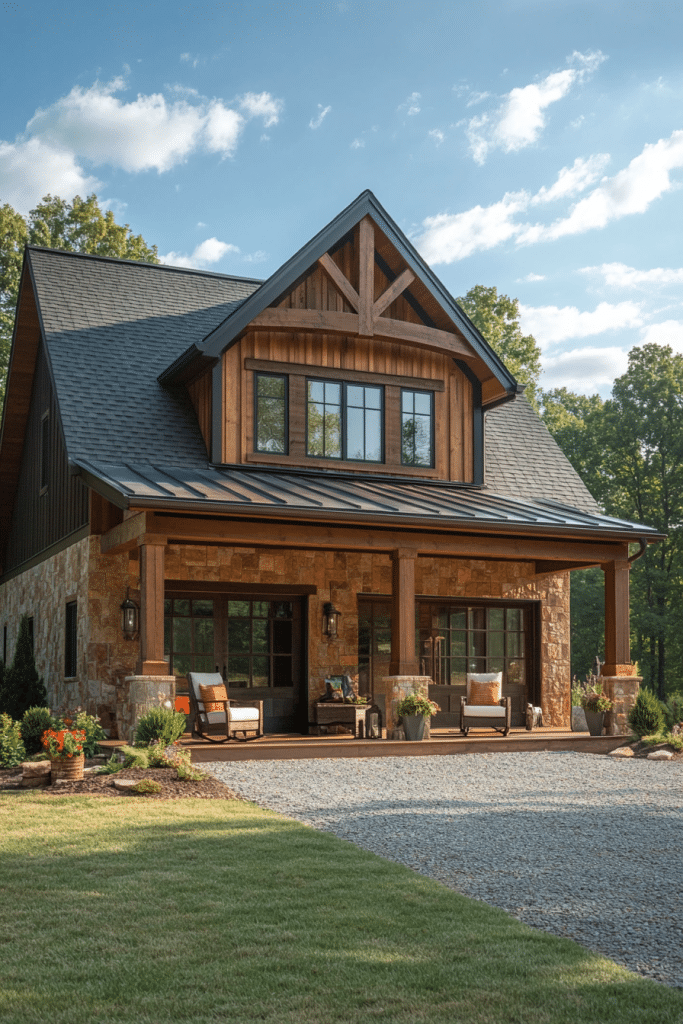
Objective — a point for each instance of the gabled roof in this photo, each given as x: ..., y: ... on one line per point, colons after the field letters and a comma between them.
x: 286, y: 278
x: 110, y: 327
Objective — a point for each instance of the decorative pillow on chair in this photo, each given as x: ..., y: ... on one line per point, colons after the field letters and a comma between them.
x: 211, y: 694
x: 484, y: 688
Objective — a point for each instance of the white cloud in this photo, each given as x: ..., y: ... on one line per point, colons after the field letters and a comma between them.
x: 358, y: 144
x: 669, y: 332
x: 412, y: 104
x: 30, y: 169
x: 207, y: 252
x: 520, y: 118
x: 315, y: 122
x: 632, y: 190
x: 263, y: 105
x: 585, y: 370
x: 618, y: 275
x: 450, y: 237
x: 553, y: 324
x: 97, y: 126
x: 437, y: 135
x: 531, y: 278
x: 256, y: 257
x: 573, y: 179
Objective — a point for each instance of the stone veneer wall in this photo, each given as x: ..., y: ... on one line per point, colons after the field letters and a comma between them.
x: 98, y: 583
x: 341, y: 576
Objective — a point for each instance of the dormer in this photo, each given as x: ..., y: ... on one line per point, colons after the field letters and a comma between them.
x: 351, y: 357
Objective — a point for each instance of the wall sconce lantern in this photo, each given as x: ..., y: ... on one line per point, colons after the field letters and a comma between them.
x: 129, y: 618
x: 330, y: 620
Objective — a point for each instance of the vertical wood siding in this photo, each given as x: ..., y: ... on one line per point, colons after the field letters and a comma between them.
x: 199, y: 391
x: 40, y: 519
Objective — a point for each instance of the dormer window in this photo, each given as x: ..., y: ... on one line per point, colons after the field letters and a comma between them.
x: 270, y: 413
x: 344, y: 421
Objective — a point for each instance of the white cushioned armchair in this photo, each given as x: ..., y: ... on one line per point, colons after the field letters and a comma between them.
x: 231, y: 718
x: 484, y: 707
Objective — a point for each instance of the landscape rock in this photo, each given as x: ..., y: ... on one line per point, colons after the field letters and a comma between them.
x: 622, y: 752
x: 660, y: 755
x: 125, y: 785
x: 31, y: 769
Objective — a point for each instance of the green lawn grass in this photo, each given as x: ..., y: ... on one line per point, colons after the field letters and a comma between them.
x: 145, y: 912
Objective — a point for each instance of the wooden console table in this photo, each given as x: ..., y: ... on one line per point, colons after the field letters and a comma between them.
x: 336, y: 713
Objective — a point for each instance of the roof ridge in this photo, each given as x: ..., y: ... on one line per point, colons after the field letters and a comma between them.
x: 142, y: 263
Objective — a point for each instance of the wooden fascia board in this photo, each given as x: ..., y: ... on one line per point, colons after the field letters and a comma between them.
x: 302, y: 534
x: 283, y: 280
x: 329, y: 322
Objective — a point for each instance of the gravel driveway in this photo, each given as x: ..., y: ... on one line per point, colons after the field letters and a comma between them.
x: 580, y: 845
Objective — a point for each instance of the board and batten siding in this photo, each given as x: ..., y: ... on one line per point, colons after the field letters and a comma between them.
x: 43, y: 516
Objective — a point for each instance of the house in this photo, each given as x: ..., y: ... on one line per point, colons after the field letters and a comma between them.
x: 329, y: 471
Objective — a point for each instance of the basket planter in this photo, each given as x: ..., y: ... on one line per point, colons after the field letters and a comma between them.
x: 69, y: 768
x: 595, y: 721
x: 414, y: 727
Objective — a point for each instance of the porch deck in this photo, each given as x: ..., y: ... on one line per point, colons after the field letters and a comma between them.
x: 290, y: 746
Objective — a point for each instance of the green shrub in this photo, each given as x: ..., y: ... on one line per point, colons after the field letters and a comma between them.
x: 111, y: 766
x: 646, y: 717
x: 673, y: 709
x: 12, y: 750
x: 148, y: 786
x: 160, y: 724
x: 22, y: 687
x: 33, y: 725
x: 92, y: 729
x: 135, y: 757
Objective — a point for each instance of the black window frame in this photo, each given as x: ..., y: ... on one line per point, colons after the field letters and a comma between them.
x: 432, y: 452
x: 71, y: 639
x: 285, y: 379
x: 345, y: 385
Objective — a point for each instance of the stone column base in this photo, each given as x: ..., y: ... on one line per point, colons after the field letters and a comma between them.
x: 396, y: 688
x: 622, y: 691
x: 137, y: 696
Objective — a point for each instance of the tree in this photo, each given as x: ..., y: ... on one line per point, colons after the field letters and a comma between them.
x: 22, y: 687
x: 78, y: 226
x: 497, y: 318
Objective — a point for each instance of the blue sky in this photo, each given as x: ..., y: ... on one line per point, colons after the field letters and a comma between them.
x: 534, y: 146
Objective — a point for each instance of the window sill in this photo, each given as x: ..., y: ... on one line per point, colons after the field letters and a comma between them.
x: 373, y: 468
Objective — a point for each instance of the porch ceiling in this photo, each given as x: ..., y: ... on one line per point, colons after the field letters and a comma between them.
x: 340, y: 497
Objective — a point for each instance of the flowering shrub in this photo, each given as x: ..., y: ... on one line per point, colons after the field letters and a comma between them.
x: 12, y: 750
x: 64, y: 742
x: 417, y: 704
x: 79, y: 719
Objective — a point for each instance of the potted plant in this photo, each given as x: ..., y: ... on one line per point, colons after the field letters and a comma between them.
x: 414, y: 709
x: 65, y: 747
x: 578, y: 719
x: 595, y: 705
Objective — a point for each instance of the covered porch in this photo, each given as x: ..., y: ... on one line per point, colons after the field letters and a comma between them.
x: 483, y: 589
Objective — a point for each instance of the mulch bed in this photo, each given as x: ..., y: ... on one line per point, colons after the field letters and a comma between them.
x: 174, y: 788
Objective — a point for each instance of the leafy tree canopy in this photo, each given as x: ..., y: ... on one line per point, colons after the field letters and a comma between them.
x: 497, y: 318
x: 78, y: 226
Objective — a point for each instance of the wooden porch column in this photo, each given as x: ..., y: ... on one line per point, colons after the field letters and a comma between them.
x: 152, y: 661
x: 617, y: 630
x: 403, y: 659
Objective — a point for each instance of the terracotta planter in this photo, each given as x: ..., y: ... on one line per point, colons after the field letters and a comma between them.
x: 414, y: 727
x: 70, y: 768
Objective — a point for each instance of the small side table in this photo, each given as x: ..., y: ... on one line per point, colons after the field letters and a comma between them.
x: 336, y: 713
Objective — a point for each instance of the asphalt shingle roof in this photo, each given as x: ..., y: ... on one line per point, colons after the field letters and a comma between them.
x: 524, y: 460
x: 111, y: 327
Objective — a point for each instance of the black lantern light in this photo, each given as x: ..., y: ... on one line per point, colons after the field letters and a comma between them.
x: 330, y: 620
x: 129, y: 618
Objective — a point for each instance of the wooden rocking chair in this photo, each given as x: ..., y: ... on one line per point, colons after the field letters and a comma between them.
x: 224, y: 717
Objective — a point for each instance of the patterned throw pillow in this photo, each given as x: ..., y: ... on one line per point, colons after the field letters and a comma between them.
x: 483, y: 694
x: 211, y: 694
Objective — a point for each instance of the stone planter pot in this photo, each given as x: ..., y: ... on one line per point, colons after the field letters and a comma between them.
x: 579, y: 723
x: 70, y: 768
x: 595, y: 721
x: 414, y: 727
